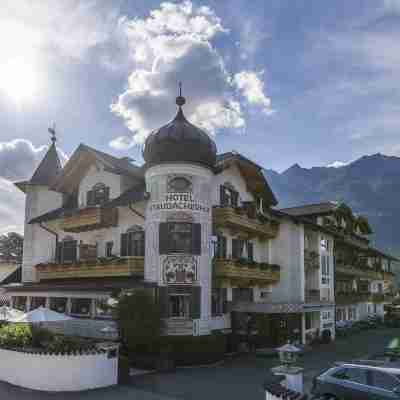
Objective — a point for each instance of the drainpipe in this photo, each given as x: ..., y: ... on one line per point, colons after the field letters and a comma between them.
x: 51, y: 232
x: 135, y: 211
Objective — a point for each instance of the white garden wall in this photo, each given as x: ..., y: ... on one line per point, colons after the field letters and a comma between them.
x: 56, y: 372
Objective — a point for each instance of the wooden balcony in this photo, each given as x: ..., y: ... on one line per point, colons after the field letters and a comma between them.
x: 233, y: 273
x: 127, y: 266
x: 238, y: 221
x: 366, y: 273
x: 90, y: 218
x: 344, y: 298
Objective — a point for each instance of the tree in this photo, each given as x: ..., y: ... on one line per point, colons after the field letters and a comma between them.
x: 11, y: 246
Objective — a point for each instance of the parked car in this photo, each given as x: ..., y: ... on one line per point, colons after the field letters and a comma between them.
x: 358, y: 382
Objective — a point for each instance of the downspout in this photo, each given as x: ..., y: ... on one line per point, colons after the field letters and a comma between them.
x: 135, y: 211
x: 51, y: 232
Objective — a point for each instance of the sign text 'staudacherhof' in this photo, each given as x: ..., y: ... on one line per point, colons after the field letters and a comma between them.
x: 179, y: 201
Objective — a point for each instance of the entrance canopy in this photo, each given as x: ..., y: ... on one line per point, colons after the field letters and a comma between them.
x: 41, y: 314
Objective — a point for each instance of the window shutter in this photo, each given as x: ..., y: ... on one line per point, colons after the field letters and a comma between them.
x: 195, y: 303
x: 58, y: 253
x: 163, y: 301
x: 224, y: 295
x: 69, y: 251
x: 163, y: 238
x: 235, y: 198
x: 106, y: 193
x: 124, y: 244
x: 221, y: 247
x: 235, y: 248
x: 196, y: 239
x: 142, y: 245
x: 222, y: 196
x: 90, y: 198
x: 250, y: 251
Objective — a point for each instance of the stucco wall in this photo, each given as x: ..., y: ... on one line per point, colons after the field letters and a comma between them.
x: 58, y: 373
x: 287, y: 250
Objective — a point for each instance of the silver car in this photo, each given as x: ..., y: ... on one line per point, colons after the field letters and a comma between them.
x: 357, y: 382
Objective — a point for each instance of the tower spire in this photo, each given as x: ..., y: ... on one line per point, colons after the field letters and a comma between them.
x: 180, y: 100
x: 52, y: 131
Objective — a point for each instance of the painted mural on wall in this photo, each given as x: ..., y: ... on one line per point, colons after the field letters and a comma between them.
x: 180, y: 269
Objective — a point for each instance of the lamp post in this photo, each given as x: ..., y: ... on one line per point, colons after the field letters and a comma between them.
x: 288, y: 355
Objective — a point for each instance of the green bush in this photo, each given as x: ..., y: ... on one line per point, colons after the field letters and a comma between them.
x: 16, y: 336
x: 123, y: 369
x: 41, y: 337
x: 68, y: 344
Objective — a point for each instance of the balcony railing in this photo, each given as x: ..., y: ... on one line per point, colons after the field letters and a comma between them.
x: 239, y: 220
x: 313, y: 296
x: 360, y: 272
x: 351, y: 297
x: 90, y: 218
x: 98, y: 268
x: 245, y: 275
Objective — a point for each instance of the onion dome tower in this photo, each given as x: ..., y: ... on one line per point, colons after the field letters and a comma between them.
x: 180, y: 160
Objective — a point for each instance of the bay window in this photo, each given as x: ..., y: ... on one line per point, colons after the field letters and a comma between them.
x: 58, y: 304
x: 38, y: 302
x: 102, y: 309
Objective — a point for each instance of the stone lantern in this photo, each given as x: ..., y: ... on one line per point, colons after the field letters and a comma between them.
x: 288, y: 355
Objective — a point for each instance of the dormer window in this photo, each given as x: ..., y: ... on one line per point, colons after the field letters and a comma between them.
x: 99, y: 194
x: 228, y: 196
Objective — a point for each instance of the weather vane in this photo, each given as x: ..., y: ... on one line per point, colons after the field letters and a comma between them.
x: 52, y: 131
x: 180, y: 100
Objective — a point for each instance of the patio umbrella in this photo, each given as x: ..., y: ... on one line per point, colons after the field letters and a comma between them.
x: 7, y: 313
x: 41, y: 314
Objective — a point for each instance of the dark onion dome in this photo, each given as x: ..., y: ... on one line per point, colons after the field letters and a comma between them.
x: 180, y: 141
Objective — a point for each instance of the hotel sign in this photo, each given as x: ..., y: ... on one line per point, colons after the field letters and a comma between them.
x: 179, y: 202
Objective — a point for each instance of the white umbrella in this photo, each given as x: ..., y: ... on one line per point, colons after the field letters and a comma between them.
x: 7, y: 313
x: 41, y: 314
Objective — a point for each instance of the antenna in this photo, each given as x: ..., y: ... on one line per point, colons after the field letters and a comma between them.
x: 180, y: 100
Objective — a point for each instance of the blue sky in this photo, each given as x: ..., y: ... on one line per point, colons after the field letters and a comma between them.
x: 281, y: 81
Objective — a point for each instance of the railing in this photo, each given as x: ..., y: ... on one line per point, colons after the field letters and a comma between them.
x: 90, y: 218
x: 360, y: 272
x: 245, y: 274
x: 240, y: 220
x: 102, y: 267
x: 351, y: 297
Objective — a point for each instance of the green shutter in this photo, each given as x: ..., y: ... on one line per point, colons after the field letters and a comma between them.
x: 58, y: 252
x: 163, y: 238
x: 196, y: 239
x: 224, y: 295
x: 124, y: 244
x: 222, y: 196
x: 235, y: 248
x: 195, y: 302
x: 250, y: 251
x: 106, y: 193
x: 90, y: 198
x: 235, y: 198
x: 163, y: 301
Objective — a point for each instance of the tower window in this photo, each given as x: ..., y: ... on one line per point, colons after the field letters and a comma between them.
x: 180, y: 237
x: 179, y: 184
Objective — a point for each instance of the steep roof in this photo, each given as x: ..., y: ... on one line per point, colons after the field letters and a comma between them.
x: 47, y: 171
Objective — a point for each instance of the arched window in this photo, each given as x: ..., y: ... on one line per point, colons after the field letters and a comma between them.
x: 179, y: 184
x: 133, y: 242
x: 99, y: 194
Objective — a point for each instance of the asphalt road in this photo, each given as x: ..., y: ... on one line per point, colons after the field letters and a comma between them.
x: 239, y: 378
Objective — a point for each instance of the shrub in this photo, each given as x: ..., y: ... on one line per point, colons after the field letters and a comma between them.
x: 68, y: 344
x: 139, y: 320
x: 16, y: 336
x: 41, y: 337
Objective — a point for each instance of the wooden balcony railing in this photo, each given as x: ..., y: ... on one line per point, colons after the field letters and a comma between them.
x: 239, y: 221
x: 241, y: 275
x: 351, y: 297
x: 126, y: 266
x: 90, y: 218
x: 350, y: 270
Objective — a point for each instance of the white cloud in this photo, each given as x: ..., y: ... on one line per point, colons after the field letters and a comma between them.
x: 251, y: 86
x: 176, y: 43
x: 337, y: 164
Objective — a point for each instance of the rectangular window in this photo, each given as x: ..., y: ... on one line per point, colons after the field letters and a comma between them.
x: 133, y: 244
x: 58, y: 304
x: 228, y: 197
x: 221, y: 247
x: 180, y: 237
x: 67, y: 251
x: 81, y: 307
x: 38, y: 302
x: 237, y: 248
x: 109, y: 248
x: 98, y: 195
x: 179, y: 306
x: 308, y: 321
x: 20, y: 303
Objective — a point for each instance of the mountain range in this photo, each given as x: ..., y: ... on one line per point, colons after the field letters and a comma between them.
x: 370, y: 185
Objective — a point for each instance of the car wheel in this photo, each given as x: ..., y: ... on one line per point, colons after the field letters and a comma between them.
x: 329, y: 397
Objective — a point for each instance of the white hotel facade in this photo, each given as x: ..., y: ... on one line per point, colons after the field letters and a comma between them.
x: 199, y: 229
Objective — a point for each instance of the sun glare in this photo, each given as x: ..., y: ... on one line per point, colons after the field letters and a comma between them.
x: 18, y: 75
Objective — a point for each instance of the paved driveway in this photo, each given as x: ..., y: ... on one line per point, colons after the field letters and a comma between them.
x: 240, y: 378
